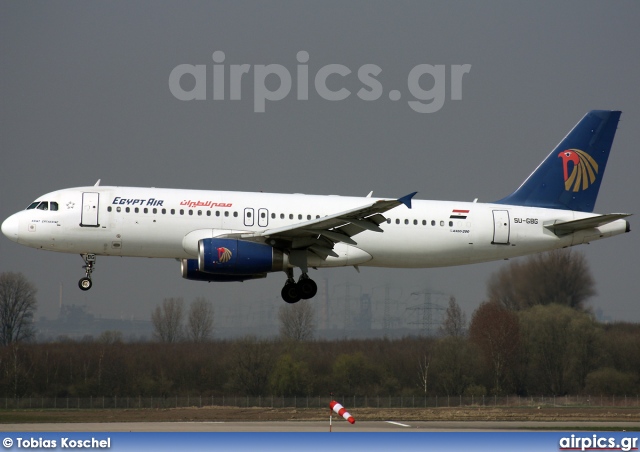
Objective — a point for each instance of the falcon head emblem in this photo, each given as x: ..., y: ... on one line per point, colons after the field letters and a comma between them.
x: 584, y: 169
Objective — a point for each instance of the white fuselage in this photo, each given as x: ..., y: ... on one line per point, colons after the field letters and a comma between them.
x: 168, y: 223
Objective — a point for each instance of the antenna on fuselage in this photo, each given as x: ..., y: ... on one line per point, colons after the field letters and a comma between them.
x: 97, y: 183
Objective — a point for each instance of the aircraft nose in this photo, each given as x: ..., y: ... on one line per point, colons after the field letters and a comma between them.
x: 10, y: 227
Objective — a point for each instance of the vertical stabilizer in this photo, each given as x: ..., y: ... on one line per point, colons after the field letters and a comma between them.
x: 569, y: 178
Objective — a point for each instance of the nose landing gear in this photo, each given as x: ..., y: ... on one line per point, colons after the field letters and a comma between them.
x: 89, y: 261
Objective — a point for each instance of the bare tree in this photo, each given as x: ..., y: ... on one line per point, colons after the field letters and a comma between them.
x: 167, y: 320
x: 496, y: 331
x: 110, y: 337
x: 423, y: 372
x: 17, y: 306
x: 557, y: 277
x: 251, y: 365
x: 454, y: 321
x: 200, y: 321
x: 297, y: 321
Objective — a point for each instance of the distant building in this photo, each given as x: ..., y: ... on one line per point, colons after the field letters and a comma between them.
x: 74, y: 322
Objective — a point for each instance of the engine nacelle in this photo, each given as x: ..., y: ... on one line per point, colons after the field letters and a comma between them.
x: 190, y: 271
x: 237, y: 257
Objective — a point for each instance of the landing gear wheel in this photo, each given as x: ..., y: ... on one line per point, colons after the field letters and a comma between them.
x: 89, y: 262
x: 85, y: 283
x: 307, y: 288
x: 290, y: 293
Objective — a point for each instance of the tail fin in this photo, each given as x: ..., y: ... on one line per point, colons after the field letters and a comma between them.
x: 569, y: 178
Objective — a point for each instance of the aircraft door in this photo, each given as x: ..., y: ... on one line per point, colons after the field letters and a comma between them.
x: 90, y: 209
x: 263, y: 218
x: 248, y: 216
x: 500, y: 227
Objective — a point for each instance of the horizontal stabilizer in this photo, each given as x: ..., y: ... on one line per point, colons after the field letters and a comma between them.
x: 569, y: 227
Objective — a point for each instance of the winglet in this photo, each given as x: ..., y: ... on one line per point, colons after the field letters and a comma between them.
x: 406, y: 200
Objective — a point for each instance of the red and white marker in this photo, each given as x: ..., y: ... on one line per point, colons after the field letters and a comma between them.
x: 339, y: 409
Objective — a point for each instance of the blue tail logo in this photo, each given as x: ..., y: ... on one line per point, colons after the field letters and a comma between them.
x: 569, y: 178
x: 585, y: 169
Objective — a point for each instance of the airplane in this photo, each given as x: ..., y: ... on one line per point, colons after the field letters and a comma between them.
x: 225, y: 236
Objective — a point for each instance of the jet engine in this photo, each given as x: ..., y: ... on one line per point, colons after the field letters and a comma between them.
x: 190, y: 271
x: 221, y: 259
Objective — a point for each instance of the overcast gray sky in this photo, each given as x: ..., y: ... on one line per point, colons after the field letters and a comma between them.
x: 85, y: 95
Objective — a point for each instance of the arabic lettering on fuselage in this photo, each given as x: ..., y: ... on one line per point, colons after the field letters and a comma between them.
x: 190, y: 203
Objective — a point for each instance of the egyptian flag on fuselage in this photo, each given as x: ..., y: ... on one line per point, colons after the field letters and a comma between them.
x: 459, y: 214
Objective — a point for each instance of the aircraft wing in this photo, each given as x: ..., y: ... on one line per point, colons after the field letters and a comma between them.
x: 569, y: 227
x: 320, y: 234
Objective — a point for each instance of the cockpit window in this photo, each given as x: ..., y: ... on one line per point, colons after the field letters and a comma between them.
x: 43, y: 205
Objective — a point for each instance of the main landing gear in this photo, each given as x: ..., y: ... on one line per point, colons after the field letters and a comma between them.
x: 89, y: 261
x: 293, y: 291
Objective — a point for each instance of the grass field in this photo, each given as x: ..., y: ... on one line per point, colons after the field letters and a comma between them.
x: 214, y: 413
